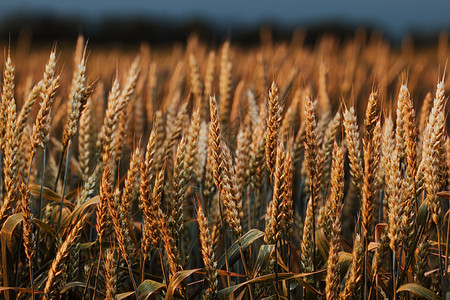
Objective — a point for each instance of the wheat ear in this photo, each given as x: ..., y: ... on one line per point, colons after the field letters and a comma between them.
x: 336, y: 196
x: 273, y: 126
x: 354, y: 148
x: 110, y: 275
x: 207, y: 254
x: 353, y: 283
x: 51, y: 289
x: 225, y: 82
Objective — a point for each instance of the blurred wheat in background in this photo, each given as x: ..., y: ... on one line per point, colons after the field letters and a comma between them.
x: 277, y: 171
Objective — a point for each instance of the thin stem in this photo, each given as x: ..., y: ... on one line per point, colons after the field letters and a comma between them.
x: 162, y: 266
x: 276, y: 268
x: 365, y: 267
x: 132, y: 278
x: 87, y: 281
x: 1, y: 173
x: 142, y: 255
x: 66, y: 171
x: 444, y: 285
x: 41, y: 193
x: 244, y: 263
x: 399, y: 261
x: 446, y: 248
x: 59, y: 168
x: 394, y: 283
x: 143, y: 259
x: 314, y: 237
x: 225, y: 246
x: 289, y: 268
x: 31, y: 279
x: 98, y: 268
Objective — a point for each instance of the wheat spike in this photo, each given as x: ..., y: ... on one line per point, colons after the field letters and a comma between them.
x: 433, y: 160
x: 52, y: 285
x: 26, y: 108
x: 110, y: 275
x: 287, y: 212
x: 153, y: 230
x: 176, y: 224
x: 106, y: 136
x: 353, y: 283
x: 116, y: 212
x: 336, y: 196
x: 307, y: 239
x: 85, y: 139
x: 145, y: 194
x: 129, y: 192
x: 152, y: 84
x: 7, y: 96
x: 170, y: 244
x: 273, y: 126
x: 277, y: 197
x: 215, y: 142
x: 196, y: 82
x: 230, y: 195
x: 27, y: 225
x: 225, y: 82
x: 77, y: 101
x: 102, y: 207
x: 371, y: 159
x: 354, y: 147
x: 207, y: 254
x: 10, y: 143
x: 395, y: 207
x: 422, y: 253
x: 192, y: 146
x: 327, y: 146
x: 41, y: 127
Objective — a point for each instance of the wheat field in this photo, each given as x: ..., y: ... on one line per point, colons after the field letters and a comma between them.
x: 277, y: 171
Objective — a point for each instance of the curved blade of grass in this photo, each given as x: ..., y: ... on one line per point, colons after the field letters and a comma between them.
x: 8, y: 229
x: 418, y: 290
x: 176, y: 280
x: 74, y: 284
x: 148, y: 287
x: 85, y: 246
x: 233, y: 253
x: 224, y: 293
x: 76, y: 213
x: 322, y: 244
x: 345, y: 259
x: 263, y: 258
x: 422, y: 215
x: 7, y: 254
x: 124, y: 295
x: 45, y: 227
x: 50, y: 195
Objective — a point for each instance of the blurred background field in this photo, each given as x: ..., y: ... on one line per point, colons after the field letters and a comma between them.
x: 168, y: 21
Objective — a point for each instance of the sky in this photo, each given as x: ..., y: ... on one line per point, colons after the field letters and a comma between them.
x: 395, y: 18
